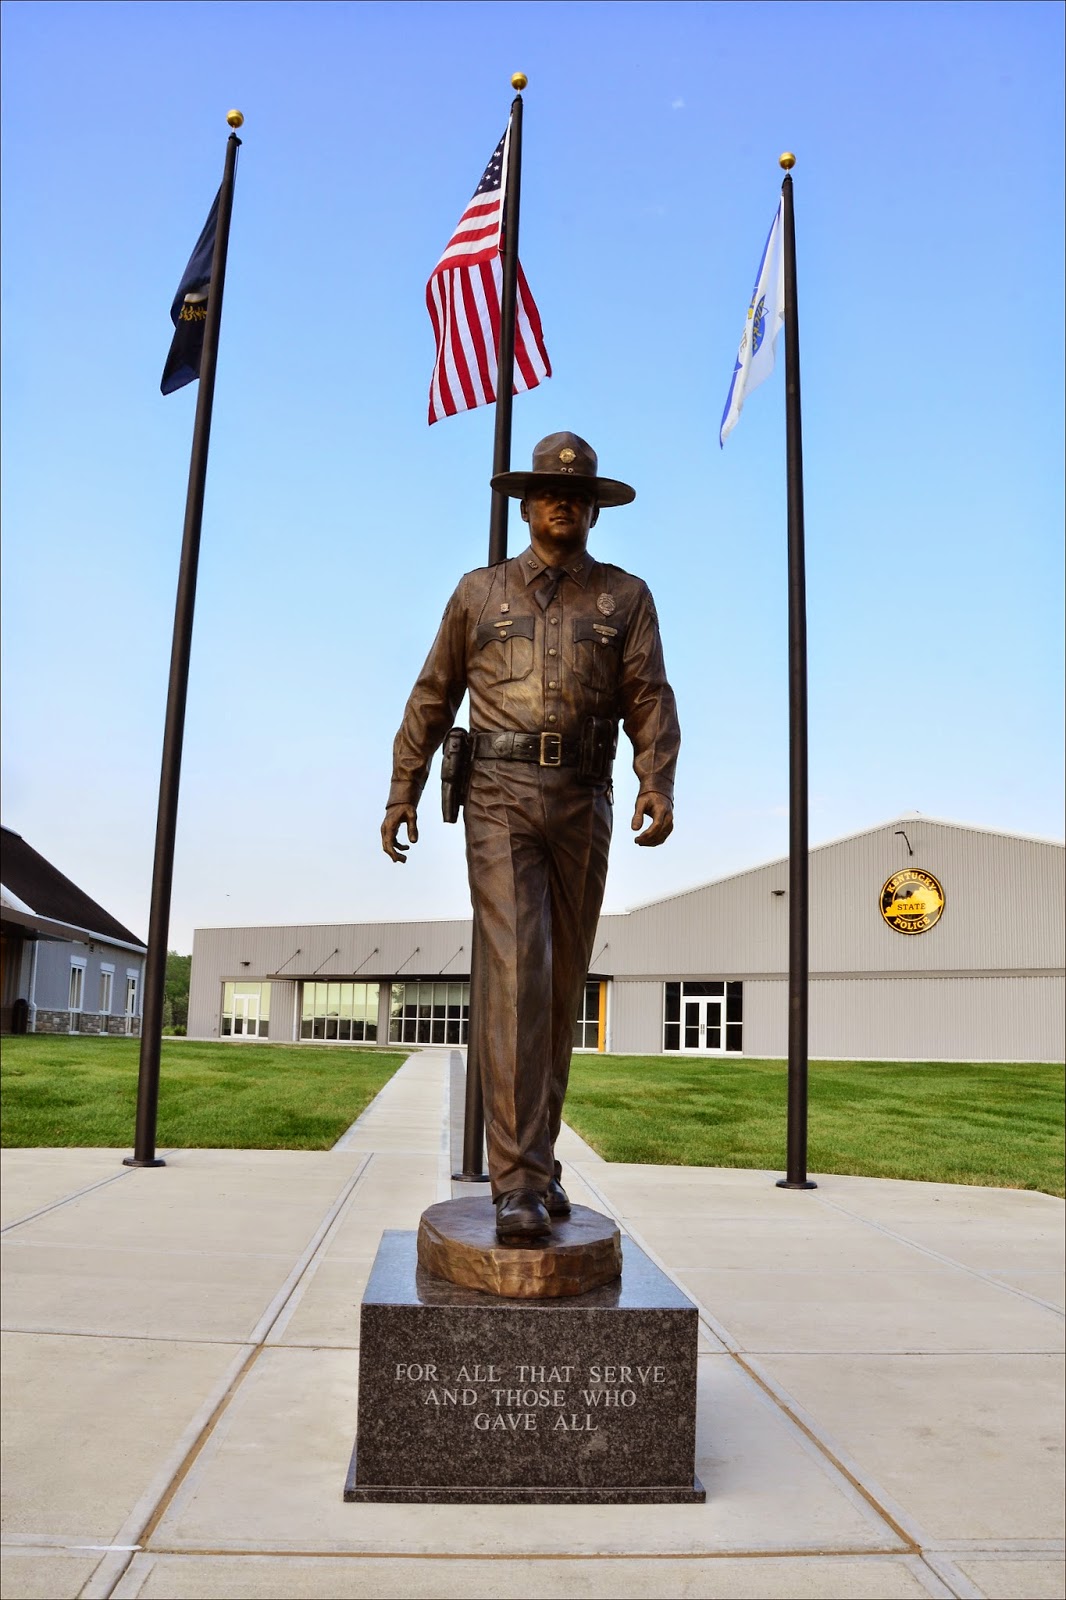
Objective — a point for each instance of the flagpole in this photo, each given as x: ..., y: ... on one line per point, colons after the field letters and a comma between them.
x: 501, y: 453
x: 798, y: 845
x: 474, y: 1115
x: 174, y: 729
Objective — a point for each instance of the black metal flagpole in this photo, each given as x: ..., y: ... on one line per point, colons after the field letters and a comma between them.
x: 173, y: 735
x: 501, y: 453
x: 474, y: 1115
x: 798, y: 847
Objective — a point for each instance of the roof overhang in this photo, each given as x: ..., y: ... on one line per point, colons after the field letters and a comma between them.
x: 31, y: 926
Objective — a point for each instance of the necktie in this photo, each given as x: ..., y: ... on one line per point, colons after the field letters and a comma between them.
x: 549, y: 586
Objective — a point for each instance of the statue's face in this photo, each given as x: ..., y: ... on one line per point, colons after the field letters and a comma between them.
x: 560, y: 517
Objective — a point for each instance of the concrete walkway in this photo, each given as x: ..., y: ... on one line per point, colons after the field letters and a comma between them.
x: 880, y: 1389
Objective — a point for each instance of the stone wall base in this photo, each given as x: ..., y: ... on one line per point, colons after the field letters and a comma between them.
x: 88, y: 1023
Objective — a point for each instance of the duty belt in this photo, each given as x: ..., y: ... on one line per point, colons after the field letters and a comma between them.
x: 546, y: 749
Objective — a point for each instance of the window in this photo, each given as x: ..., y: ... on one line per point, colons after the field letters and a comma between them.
x: 245, y: 1011
x: 429, y: 1012
x: 587, y: 1027
x: 77, y: 985
x: 107, y: 982
x: 705, y: 1017
x: 131, y: 993
x: 346, y: 1012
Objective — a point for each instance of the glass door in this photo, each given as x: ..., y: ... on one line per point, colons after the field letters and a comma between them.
x: 703, y: 1024
x: 245, y: 1016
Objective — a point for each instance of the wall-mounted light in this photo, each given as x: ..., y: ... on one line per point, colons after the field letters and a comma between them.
x: 246, y: 963
x: 777, y: 893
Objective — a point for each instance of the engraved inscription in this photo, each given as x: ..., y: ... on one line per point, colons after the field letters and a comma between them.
x: 510, y: 1399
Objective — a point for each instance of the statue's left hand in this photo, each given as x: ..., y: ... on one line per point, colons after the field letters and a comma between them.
x: 658, y: 809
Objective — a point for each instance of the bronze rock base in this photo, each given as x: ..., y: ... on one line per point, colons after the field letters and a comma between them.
x: 457, y: 1241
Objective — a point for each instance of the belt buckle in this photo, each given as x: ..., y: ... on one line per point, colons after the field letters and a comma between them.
x: 554, y: 756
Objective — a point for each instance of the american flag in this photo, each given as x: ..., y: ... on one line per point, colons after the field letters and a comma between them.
x: 463, y: 296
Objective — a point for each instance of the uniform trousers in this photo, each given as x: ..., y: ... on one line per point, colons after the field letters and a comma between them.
x: 537, y: 841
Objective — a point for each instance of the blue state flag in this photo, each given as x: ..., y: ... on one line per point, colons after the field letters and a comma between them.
x: 189, y: 310
x: 766, y: 313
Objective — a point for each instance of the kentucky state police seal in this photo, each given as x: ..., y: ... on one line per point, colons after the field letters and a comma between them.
x: 912, y: 901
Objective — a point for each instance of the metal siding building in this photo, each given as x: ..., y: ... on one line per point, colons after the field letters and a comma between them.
x: 984, y: 983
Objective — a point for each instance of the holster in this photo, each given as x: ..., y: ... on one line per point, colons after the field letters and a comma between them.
x: 456, y: 758
x: 599, y: 741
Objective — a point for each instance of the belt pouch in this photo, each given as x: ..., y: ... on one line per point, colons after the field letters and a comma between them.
x: 599, y: 740
x: 456, y: 757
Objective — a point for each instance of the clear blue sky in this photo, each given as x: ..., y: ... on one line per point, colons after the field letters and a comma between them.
x: 929, y: 220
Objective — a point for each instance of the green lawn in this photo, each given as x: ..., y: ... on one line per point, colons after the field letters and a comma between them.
x: 70, y: 1091
x: 957, y: 1123
x: 946, y: 1123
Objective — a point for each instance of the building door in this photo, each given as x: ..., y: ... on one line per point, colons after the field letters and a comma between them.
x: 703, y: 1024
x: 246, y: 1016
x: 131, y: 1000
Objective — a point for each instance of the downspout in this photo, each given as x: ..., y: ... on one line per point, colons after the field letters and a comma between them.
x: 31, y: 1001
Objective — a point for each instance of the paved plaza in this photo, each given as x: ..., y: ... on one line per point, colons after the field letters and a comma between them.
x: 880, y: 1394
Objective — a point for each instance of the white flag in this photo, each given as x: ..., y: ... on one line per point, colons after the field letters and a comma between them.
x: 755, y: 358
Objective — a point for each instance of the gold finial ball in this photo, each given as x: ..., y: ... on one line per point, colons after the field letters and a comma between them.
x: 788, y: 161
x: 235, y: 119
x: 518, y: 81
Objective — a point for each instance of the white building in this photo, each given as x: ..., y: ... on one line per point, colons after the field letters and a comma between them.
x: 929, y: 941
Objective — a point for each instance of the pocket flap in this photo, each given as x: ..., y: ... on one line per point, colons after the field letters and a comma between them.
x: 600, y: 630
x: 504, y: 628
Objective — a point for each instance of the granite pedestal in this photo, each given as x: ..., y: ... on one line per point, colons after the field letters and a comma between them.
x: 465, y: 1396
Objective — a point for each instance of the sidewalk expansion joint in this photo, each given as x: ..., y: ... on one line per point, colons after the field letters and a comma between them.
x: 120, y: 1338
x: 913, y: 1542
x: 66, y: 1200
x: 111, y: 1570
x: 946, y: 1261
x: 800, y: 1553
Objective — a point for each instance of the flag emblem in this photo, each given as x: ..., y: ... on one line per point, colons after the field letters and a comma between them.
x: 766, y: 313
x: 758, y: 328
x: 463, y: 298
x: 189, y: 310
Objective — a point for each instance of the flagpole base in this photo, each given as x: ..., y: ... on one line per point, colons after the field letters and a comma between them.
x: 135, y: 1161
x: 797, y: 1183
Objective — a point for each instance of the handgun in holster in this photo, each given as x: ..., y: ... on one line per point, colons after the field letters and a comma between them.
x: 456, y: 757
x: 599, y: 741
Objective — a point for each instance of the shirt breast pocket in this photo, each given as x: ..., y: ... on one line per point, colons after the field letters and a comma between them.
x: 505, y: 648
x: 598, y: 653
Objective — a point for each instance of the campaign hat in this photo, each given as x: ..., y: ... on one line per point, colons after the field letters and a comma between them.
x: 561, y: 461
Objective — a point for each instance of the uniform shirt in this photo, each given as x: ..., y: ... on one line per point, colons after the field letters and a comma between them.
x: 595, y: 651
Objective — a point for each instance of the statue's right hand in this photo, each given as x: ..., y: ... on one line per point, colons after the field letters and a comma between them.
x: 394, y: 816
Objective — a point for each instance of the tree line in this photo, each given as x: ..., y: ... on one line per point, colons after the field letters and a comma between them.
x: 176, y: 992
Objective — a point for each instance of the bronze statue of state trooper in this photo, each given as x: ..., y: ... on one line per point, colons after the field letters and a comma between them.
x: 554, y: 648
